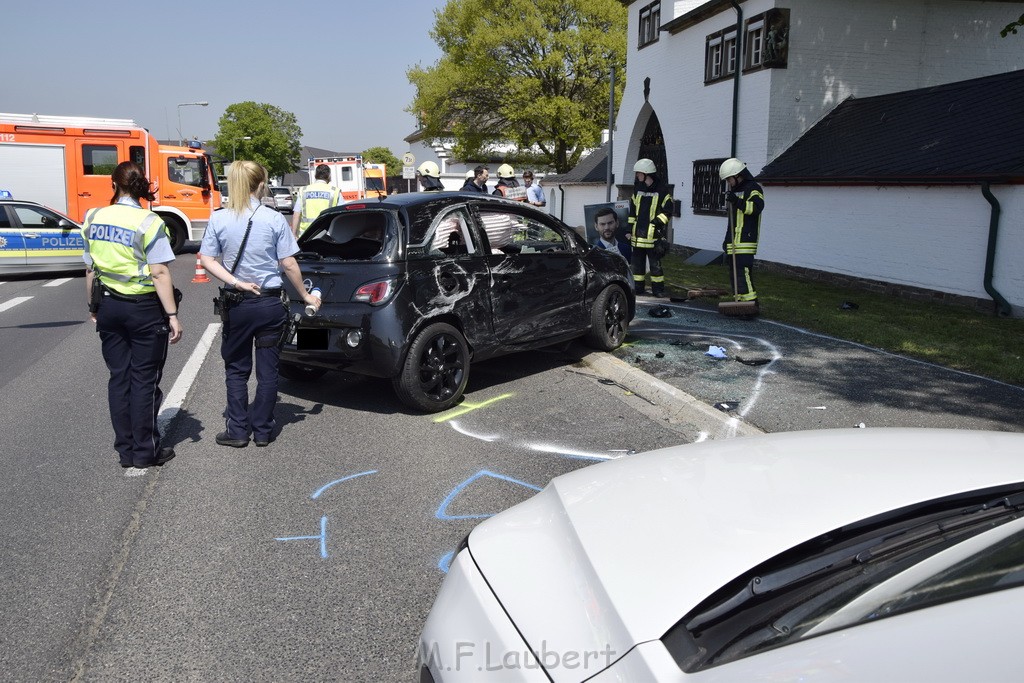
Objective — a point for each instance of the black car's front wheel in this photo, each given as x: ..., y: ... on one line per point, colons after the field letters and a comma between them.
x: 436, y: 369
x: 609, y: 319
x: 300, y: 373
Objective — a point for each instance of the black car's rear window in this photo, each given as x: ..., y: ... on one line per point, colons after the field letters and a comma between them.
x: 356, y: 235
x: 421, y: 216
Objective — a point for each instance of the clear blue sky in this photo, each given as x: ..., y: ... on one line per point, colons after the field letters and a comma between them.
x: 140, y: 59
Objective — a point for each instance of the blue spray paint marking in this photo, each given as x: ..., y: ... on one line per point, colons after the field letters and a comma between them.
x: 445, y: 563
x: 323, y: 520
x: 338, y: 481
x: 442, y: 510
x: 322, y: 537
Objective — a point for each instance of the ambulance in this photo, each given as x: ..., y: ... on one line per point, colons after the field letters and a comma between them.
x: 65, y: 162
x: 347, y: 174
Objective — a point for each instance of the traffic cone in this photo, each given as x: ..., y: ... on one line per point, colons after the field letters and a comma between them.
x: 200, y: 272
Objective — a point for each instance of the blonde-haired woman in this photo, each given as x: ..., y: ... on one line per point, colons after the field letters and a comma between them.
x: 255, y: 246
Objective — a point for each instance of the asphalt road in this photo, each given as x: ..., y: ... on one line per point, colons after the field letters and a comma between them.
x: 316, y: 558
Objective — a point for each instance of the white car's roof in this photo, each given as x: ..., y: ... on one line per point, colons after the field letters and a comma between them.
x: 614, y: 554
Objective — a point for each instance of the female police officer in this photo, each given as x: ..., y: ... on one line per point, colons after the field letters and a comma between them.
x: 127, y: 252
x: 259, y: 318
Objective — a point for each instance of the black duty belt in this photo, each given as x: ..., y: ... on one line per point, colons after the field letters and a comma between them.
x: 131, y: 298
x: 264, y: 293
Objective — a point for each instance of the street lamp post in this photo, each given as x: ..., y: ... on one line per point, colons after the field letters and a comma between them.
x: 181, y: 138
x: 234, y: 143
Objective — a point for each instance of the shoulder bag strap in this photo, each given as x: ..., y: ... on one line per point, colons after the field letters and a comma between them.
x: 245, y: 238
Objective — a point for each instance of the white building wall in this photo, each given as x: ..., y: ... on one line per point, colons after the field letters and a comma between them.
x: 932, y: 237
x: 874, y: 47
x: 570, y: 208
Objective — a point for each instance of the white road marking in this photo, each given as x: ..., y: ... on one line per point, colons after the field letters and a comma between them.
x: 13, y: 302
x: 58, y: 283
x: 176, y: 396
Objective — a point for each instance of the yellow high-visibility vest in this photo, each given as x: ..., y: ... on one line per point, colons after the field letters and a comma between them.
x: 117, y: 239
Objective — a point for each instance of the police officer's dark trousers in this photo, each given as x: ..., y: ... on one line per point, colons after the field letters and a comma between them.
x: 134, y: 336
x: 256, y: 321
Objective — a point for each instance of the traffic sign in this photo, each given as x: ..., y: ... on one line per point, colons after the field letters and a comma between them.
x: 408, y: 159
x: 408, y: 172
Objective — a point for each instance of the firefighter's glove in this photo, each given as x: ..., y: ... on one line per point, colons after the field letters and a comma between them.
x: 733, y: 199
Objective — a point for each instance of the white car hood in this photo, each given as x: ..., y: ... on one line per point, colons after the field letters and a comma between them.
x: 614, y: 554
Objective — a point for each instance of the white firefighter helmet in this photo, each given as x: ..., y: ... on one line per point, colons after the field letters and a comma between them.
x: 506, y: 171
x: 645, y: 166
x: 470, y: 175
x: 430, y: 169
x: 730, y: 167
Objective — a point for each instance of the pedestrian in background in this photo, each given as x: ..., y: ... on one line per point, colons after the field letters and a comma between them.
x: 649, y: 210
x: 478, y: 183
x: 259, y: 245
x: 745, y: 200
x: 313, y: 199
x: 135, y: 311
x: 507, y: 185
x: 534, y: 192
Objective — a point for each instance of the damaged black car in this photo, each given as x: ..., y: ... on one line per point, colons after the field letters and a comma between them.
x: 417, y: 286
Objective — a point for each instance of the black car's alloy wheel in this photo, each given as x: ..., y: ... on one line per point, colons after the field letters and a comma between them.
x: 609, y: 319
x: 436, y: 370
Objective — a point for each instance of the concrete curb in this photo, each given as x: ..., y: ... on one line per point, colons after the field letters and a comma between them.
x: 666, y: 402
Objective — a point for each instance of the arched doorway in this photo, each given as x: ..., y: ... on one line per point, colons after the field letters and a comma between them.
x: 652, y: 146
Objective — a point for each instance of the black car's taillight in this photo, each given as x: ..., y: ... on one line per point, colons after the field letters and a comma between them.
x: 375, y: 293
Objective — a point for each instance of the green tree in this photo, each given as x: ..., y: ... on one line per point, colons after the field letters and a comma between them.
x: 274, y: 136
x: 533, y: 72
x: 383, y: 155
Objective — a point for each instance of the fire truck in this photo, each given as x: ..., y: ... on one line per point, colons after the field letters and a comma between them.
x: 65, y: 162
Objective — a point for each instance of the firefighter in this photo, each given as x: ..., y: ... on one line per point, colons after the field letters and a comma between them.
x: 430, y: 177
x: 746, y: 202
x: 313, y: 199
x: 507, y: 185
x: 649, y: 210
x: 135, y: 310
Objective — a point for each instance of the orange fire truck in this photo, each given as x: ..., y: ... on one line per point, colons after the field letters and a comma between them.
x: 65, y: 162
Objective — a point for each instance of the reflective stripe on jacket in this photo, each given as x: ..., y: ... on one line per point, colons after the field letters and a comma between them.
x: 314, y: 199
x: 742, y: 237
x: 649, y: 209
x: 117, y: 239
x: 514, y: 192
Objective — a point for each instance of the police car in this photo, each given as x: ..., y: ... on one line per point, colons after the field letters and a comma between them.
x: 34, y: 238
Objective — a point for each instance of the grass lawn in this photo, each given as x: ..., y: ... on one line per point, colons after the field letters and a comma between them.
x: 953, y: 336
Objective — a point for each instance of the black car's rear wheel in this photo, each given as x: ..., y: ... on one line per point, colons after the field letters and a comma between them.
x: 609, y: 319
x: 436, y: 370
x: 300, y: 373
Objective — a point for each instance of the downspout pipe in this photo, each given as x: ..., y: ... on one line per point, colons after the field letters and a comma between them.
x: 736, y: 76
x: 1002, y: 305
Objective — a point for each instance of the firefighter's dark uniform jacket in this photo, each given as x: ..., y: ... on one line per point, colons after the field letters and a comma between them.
x: 743, y: 233
x: 649, y: 210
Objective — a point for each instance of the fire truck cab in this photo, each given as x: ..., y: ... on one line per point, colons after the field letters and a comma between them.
x: 65, y: 163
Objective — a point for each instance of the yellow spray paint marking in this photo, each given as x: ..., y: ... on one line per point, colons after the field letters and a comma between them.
x: 467, y: 407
